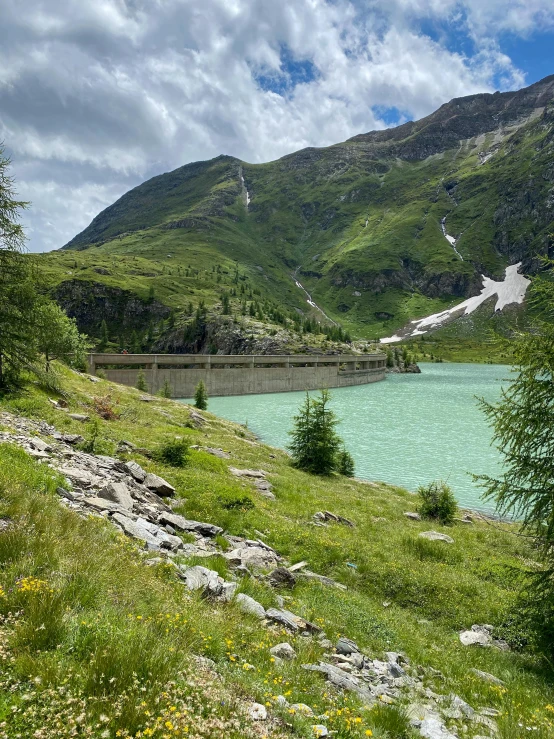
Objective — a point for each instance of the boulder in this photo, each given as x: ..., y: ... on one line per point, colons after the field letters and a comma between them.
x: 78, y: 416
x: 158, y: 485
x: 201, y: 578
x: 346, y: 646
x: 478, y: 635
x: 436, y: 536
x: 412, y: 516
x: 118, y: 493
x: 135, y: 530
x: 249, y: 605
x: 283, y: 651
x: 101, y: 504
x: 39, y: 444
x: 135, y: 470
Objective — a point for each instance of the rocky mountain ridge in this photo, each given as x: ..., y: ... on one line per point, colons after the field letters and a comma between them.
x: 387, y: 227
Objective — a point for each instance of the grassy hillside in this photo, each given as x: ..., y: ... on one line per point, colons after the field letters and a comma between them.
x: 97, y: 643
x: 358, y: 223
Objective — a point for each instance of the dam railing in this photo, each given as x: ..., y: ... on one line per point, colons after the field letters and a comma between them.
x: 240, y: 374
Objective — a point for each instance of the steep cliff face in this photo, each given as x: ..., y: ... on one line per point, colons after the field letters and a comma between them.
x: 411, y: 214
x: 90, y: 303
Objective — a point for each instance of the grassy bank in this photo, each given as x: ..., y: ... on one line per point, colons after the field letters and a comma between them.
x: 95, y: 642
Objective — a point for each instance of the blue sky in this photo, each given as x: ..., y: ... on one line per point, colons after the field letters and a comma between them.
x: 98, y: 95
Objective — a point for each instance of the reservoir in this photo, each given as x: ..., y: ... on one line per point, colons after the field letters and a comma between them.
x: 408, y: 430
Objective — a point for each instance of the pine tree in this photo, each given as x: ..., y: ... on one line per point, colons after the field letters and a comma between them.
x: 141, y: 382
x: 165, y: 391
x: 104, y: 336
x: 201, y: 396
x: 225, y: 304
x: 315, y: 442
x: 345, y: 463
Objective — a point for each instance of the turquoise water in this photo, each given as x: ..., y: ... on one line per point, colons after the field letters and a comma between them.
x: 407, y: 430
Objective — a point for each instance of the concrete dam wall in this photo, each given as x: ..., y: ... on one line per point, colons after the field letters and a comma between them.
x: 239, y: 374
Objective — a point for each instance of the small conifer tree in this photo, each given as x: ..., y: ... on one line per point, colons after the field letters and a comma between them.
x: 345, y: 463
x: 141, y: 382
x: 165, y: 391
x: 201, y: 396
x: 315, y: 443
x: 104, y: 337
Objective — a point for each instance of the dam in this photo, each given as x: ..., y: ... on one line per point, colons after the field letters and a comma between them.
x: 240, y: 374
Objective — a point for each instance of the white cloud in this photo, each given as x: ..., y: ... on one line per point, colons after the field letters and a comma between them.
x: 96, y: 95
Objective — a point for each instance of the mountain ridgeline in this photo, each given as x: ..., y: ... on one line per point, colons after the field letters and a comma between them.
x: 384, y: 228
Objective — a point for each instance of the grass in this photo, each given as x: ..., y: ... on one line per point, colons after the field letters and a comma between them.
x: 94, y: 638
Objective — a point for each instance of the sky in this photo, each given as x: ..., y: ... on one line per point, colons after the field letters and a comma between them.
x: 97, y: 96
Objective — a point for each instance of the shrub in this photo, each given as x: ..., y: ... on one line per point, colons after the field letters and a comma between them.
x: 437, y: 501
x: 201, y: 396
x: 174, y: 453
x: 104, y: 407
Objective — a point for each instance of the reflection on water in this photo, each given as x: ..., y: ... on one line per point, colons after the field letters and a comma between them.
x: 407, y: 430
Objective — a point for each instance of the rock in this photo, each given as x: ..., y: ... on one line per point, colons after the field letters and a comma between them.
x: 40, y: 445
x: 281, y: 577
x: 256, y: 557
x: 328, y: 516
x: 228, y: 590
x: 135, y: 470
x: 160, y: 486
x: 412, y: 516
x: 183, y: 524
x: 216, y: 452
x: 460, y: 708
x: 76, y: 474
x: 283, y: 651
x: 201, y: 578
x: 135, y: 530
x: 118, y: 493
x: 433, y: 728
x: 249, y: 605
x: 478, y: 635
x: 487, y: 677
x: 256, y: 474
x: 257, y: 712
x: 101, y: 504
x: 197, y: 419
x: 79, y: 417
x: 147, y: 398
x: 72, y: 438
x: 346, y: 646
x: 342, y: 679
x: 298, y: 566
x: 436, y: 536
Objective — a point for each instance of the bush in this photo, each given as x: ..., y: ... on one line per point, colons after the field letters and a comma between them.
x: 174, y: 453
x: 437, y: 501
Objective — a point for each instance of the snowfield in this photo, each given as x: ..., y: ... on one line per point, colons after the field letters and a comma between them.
x: 511, y: 290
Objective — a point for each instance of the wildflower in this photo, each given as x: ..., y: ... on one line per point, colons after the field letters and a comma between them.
x: 368, y: 732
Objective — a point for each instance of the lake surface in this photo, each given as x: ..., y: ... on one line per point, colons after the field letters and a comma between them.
x: 407, y: 430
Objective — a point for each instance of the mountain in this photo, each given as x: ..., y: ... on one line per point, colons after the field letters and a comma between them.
x: 387, y: 227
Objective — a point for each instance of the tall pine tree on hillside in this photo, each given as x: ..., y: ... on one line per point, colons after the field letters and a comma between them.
x: 17, y: 293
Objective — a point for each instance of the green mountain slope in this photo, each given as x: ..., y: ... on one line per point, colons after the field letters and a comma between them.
x: 359, y: 224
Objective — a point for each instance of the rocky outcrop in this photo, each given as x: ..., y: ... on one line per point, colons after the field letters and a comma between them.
x: 92, y: 302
